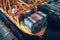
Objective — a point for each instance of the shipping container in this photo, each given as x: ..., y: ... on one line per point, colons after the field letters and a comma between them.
x: 43, y: 15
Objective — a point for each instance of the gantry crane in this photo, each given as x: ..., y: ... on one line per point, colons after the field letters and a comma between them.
x: 20, y: 7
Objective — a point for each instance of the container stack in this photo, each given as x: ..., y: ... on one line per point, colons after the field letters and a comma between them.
x: 35, y: 22
x: 53, y: 12
x: 5, y: 34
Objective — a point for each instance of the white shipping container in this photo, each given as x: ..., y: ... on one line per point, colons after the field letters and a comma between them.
x: 43, y: 15
x: 28, y: 23
x: 39, y: 12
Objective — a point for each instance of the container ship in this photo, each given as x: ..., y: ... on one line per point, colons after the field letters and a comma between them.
x: 30, y: 19
x: 25, y: 15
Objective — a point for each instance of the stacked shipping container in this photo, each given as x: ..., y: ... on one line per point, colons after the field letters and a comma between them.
x: 35, y: 22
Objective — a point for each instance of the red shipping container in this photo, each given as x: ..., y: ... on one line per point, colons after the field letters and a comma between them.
x: 34, y: 17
